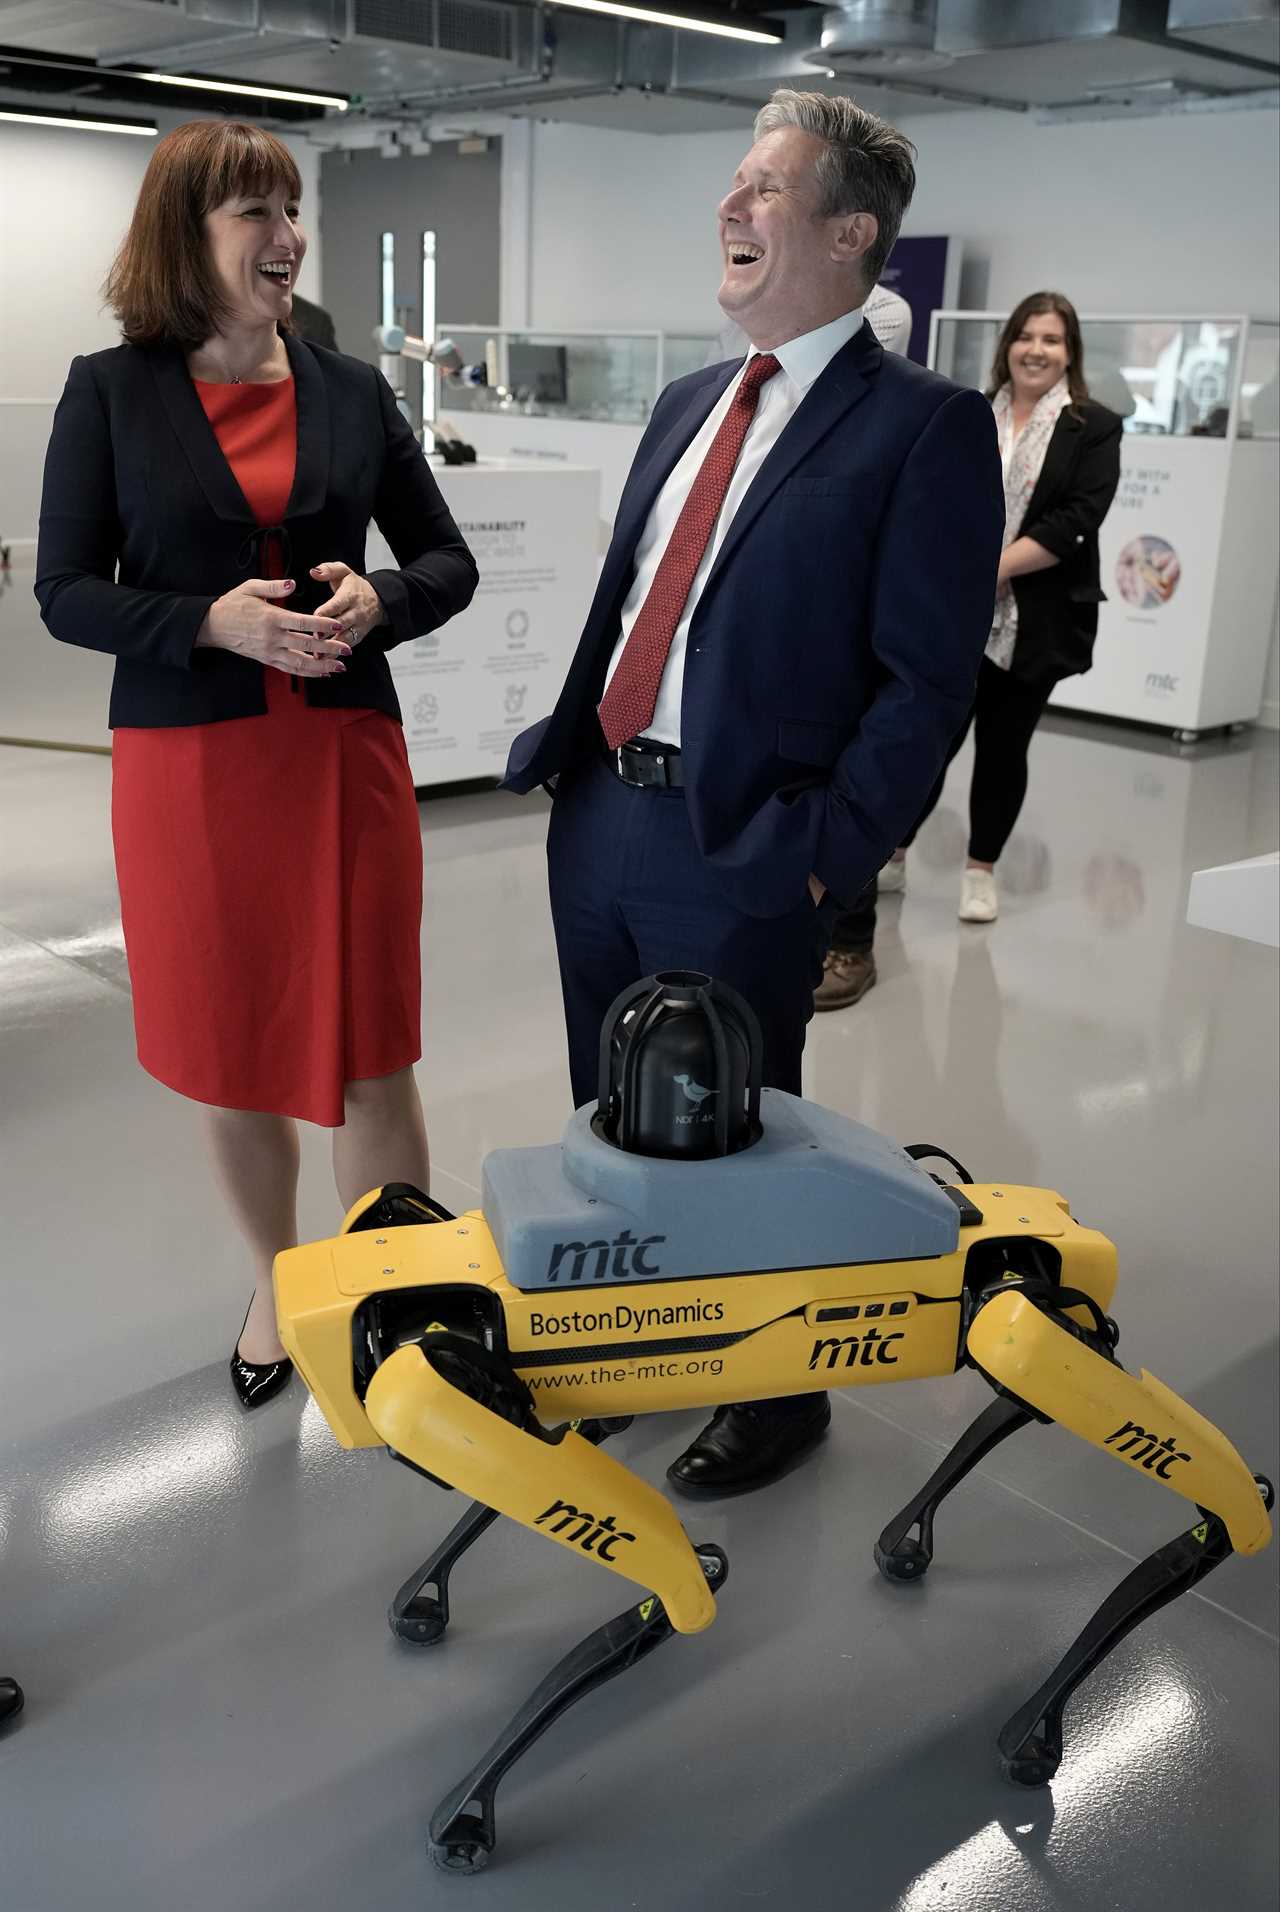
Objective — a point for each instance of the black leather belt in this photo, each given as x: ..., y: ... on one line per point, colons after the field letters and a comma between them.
x: 647, y: 764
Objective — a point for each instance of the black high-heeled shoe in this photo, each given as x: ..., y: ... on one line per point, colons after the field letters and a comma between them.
x: 257, y: 1382
x: 10, y: 1700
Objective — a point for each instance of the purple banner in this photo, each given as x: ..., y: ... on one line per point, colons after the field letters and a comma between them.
x: 917, y: 272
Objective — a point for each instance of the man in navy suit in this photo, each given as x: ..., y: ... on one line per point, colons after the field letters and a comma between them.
x: 784, y: 641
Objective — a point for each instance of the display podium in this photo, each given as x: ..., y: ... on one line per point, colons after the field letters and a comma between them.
x: 1188, y: 549
x: 1239, y: 899
x: 466, y: 690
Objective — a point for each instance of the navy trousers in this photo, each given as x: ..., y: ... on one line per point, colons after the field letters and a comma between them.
x: 631, y: 895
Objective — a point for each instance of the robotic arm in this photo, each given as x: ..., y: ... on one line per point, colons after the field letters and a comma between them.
x: 443, y: 354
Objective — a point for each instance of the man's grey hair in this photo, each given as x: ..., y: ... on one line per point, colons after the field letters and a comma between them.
x: 867, y: 165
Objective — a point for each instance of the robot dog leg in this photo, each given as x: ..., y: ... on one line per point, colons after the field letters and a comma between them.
x: 440, y: 1427
x: 1047, y: 1367
x: 419, y: 1614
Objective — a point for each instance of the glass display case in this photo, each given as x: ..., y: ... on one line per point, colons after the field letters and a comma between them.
x: 1167, y: 378
x: 596, y: 377
x: 1188, y: 549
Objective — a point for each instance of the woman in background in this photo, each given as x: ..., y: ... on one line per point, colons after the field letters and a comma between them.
x: 1061, y: 456
x: 208, y: 487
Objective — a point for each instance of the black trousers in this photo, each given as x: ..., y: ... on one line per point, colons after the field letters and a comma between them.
x: 1004, y: 717
x: 854, y: 930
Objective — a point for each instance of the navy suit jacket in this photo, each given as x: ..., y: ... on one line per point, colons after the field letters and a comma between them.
x: 833, y: 652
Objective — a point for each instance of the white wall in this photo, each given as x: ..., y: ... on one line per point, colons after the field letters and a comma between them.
x: 1144, y: 215
x: 65, y: 202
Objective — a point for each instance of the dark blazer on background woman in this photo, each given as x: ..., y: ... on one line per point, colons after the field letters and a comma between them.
x: 1058, y: 608
x: 135, y: 475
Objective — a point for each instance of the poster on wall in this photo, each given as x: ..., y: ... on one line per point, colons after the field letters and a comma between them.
x: 926, y: 273
x: 1158, y: 549
x: 469, y: 688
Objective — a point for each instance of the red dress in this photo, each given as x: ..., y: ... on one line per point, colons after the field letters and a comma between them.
x: 270, y: 867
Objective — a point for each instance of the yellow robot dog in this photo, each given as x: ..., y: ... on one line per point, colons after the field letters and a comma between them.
x: 649, y: 1263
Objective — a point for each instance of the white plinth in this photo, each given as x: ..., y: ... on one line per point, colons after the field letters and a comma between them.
x: 468, y: 689
x: 1240, y: 899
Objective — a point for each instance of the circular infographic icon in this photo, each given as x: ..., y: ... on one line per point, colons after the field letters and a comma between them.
x: 1147, y: 572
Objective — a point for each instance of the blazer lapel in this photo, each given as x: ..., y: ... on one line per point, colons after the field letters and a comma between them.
x: 196, y: 436
x: 311, y: 472
x: 834, y: 393
x: 199, y: 442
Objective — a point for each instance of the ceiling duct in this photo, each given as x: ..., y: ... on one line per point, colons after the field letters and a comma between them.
x: 397, y: 59
x: 882, y: 36
x: 363, y: 48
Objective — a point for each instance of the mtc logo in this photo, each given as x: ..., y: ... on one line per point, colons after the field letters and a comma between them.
x: 592, y: 1535
x: 1145, y: 1450
x: 1162, y: 683
x: 860, y: 1350
x: 625, y: 1252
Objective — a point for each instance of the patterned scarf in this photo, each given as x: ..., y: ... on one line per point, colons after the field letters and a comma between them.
x: 1022, y: 468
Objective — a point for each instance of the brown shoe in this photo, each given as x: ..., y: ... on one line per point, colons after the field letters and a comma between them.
x: 847, y: 975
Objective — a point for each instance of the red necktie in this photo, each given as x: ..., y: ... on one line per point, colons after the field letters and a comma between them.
x: 628, y: 704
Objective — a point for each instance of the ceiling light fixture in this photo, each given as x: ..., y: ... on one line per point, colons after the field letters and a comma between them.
x: 140, y: 128
x: 336, y: 100
x: 722, y: 25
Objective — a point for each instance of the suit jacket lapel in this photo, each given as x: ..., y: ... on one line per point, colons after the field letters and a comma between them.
x: 638, y: 502
x: 666, y: 455
x: 311, y: 472
x: 832, y: 395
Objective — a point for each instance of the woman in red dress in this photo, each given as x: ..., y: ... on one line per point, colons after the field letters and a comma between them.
x: 267, y: 840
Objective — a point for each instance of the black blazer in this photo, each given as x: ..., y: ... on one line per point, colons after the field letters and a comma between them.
x: 1058, y: 608
x: 142, y: 526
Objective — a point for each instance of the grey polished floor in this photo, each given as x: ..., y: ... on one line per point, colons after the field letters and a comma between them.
x: 194, y: 1599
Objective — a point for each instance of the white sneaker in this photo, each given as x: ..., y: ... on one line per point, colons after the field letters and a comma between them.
x: 978, y: 900
x: 892, y: 879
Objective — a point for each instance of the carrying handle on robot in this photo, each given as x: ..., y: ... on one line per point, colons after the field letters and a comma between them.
x: 925, y: 1151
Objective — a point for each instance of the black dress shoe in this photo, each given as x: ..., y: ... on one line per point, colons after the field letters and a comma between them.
x: 748, y: 1446
x: 257, y: 1382
x: 10, y: 1700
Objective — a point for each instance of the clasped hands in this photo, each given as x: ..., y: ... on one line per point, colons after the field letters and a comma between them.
x: 254, y: 621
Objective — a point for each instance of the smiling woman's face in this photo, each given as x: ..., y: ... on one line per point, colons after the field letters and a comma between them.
x: 1038, y: 356
x: 256, y: 248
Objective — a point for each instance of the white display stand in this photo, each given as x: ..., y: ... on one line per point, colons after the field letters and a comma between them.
x: 1198, y: 660
x: 552, y: 444
x: 1240, y: 899
x: 469, y: 688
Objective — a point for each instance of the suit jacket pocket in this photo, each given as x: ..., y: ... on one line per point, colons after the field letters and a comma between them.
x: 801, y: 740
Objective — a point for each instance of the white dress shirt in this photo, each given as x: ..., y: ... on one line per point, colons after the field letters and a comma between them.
x: 887, y: 313
x: 802, y: 360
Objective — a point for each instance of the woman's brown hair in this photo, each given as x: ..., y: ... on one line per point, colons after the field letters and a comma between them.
x: 161, y: 286
x: 1032, y: 307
